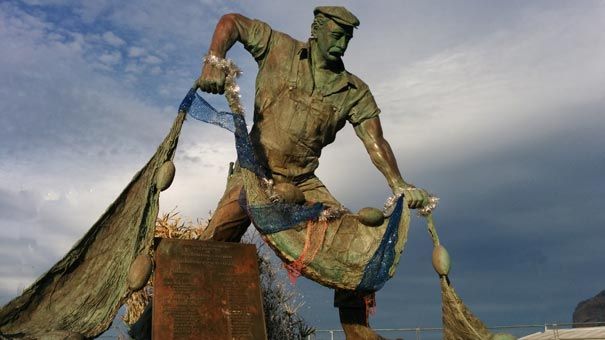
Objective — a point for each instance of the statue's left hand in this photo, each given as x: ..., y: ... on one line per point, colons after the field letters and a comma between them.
x: 415, y: 197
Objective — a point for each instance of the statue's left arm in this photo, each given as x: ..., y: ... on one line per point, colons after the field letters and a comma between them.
x: 370, y: 133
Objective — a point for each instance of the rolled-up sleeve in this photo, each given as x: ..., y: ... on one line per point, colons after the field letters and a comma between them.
x: 364, y: 108
x: 256, y: 39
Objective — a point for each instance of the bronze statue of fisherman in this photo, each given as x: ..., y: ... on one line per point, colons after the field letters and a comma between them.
x: 304, y: 96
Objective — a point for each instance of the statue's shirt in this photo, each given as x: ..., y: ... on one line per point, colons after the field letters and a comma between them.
x: 294, y: 118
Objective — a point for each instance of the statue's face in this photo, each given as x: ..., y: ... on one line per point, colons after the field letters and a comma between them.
x: 333, y: 39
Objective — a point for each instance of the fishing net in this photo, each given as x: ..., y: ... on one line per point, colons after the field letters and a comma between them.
x: 459, y: 323
x: 82, y: 293
x: 330, y: 246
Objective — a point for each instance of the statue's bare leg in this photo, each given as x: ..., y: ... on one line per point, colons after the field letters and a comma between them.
x: 229, y: 221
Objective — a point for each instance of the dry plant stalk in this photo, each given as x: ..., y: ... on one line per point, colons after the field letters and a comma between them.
x: 169, y: 225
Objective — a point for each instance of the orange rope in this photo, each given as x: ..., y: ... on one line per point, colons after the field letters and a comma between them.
x: 316, y: 232
x: 370, y: 305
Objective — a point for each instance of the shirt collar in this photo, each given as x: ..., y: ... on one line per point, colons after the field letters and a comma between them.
x: 343, y: 79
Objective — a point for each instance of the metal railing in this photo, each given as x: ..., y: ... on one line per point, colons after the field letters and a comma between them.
x: 407, y: 333
x: 430, y: 333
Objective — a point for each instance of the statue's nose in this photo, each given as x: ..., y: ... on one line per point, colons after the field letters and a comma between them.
x: 342, y: 43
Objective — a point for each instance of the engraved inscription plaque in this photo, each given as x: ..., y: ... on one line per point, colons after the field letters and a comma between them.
x: 207, y: 290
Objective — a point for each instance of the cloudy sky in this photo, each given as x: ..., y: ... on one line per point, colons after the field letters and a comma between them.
x: 496, y: 107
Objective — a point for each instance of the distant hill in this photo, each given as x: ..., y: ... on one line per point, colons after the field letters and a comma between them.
x: 591, y: 310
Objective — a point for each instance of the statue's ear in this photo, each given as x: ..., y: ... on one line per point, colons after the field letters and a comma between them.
x: 314, y: 28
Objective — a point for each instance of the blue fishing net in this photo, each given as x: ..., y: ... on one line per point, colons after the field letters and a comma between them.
x: 245, y: 151
x: 376, y: 273
x: 199, y: 109
x: 276, y: 217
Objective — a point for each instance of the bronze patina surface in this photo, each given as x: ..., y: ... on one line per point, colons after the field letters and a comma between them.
x: 207, y: 290
x: 304, y: 95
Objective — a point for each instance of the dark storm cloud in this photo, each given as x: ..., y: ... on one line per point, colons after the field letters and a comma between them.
x: 523, y: 227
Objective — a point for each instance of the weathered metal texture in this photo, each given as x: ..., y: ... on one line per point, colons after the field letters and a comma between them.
x: 207, y: 290
x: 459, y: 323
x: 371, y: 217
x: 165, y: 175
x: 139, y: 272
x: 347, y: 248
x: 441, y: 260
x: 83, y: 291
x: 298, y: 111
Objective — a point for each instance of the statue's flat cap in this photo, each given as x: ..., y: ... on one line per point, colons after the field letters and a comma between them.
x: 339, y: 14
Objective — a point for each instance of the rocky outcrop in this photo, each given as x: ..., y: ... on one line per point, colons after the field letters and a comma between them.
x: 591, y: 312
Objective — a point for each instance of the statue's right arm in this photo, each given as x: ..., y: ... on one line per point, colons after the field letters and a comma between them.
x: 230, y: 28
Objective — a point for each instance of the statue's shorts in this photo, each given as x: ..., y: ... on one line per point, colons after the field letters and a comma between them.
x: 229, y: 223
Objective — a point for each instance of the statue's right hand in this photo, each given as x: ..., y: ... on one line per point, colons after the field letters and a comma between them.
x: 212, y: 79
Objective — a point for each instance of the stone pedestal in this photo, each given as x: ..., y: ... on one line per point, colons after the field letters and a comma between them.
x: 206, y: 290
